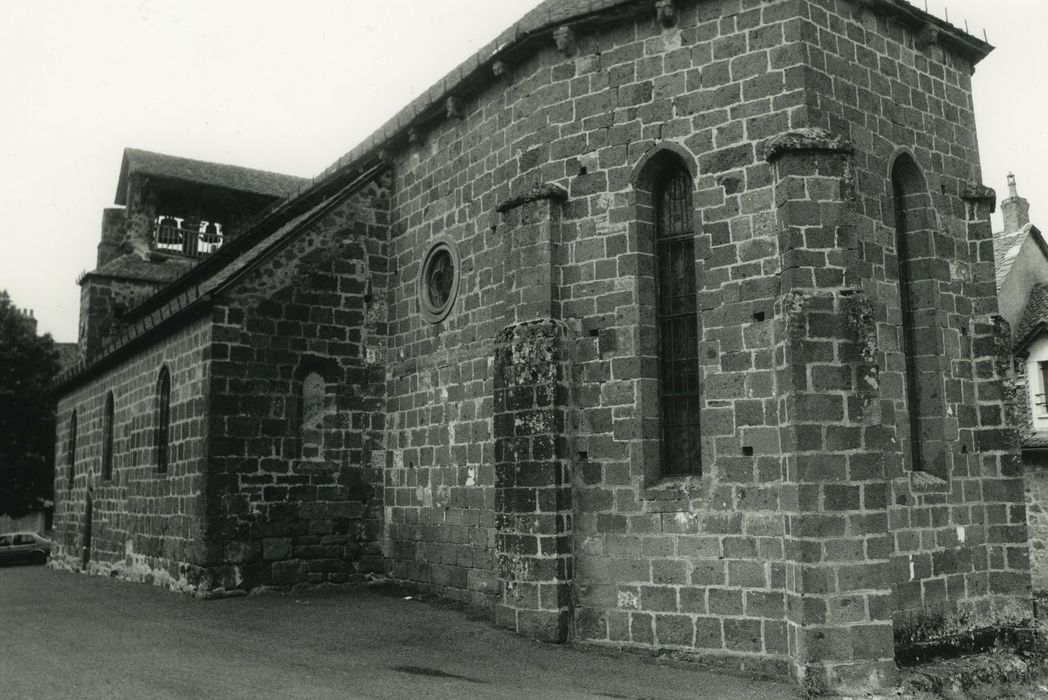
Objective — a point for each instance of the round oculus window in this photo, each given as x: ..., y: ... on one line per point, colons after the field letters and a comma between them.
x: 438, y: 281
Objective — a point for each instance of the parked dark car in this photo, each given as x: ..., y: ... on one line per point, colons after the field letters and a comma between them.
x: 24, y: 546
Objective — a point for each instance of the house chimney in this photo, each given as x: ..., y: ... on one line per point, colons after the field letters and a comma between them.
x: 1016, y: 210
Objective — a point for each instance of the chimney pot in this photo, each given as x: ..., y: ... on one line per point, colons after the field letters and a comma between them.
x: 1016, y: 210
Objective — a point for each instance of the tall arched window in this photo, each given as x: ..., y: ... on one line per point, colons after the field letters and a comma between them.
x: 919, y: 333
x: 678, y: 324
x: 311, y: 419
x: 107, y: 439
x: 163, y: 419
x: 71, y: 448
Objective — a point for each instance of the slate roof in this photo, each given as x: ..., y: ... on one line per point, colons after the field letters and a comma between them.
x: 536, y: 24
x: 1035, y: 316
x: 472, y: 75
x: 1006, y: 247
x: 205, y: 173
x: 140, y: 329
x: 161, y: 269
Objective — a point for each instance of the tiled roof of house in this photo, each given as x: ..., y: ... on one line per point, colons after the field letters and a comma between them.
x: 161, y: 269
x: 1006, y: 247
x: 1036, y: 314
x: 206, y: 173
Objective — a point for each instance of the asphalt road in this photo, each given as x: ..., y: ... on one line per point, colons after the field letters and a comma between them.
x: 66, y: 635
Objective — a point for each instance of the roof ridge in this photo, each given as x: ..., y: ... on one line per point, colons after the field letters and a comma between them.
x: 170, y: 156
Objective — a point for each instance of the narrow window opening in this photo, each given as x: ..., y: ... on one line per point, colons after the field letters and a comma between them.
x: 163, y: 420
x: 107, y: 439
x: 71, y: 449
x: 311, y: 421
x: 908, y: 337
x: 927, y: 448
x: 678, y: 326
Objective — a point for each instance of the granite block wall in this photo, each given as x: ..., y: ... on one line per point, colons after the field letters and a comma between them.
x: 145, y: 525
x: 290, y: 503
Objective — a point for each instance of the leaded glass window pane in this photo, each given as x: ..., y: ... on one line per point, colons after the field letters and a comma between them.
x: 678, y: 325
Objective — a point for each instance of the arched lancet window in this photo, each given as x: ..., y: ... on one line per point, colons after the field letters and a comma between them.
x: 71, y: 449
x: 311, y: 417
x: 163, y: 419
x: 919, y: 334
x: 678, y: 324
x: 107, y: 439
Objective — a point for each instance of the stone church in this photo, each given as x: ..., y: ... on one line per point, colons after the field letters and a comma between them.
x: 666, y: 326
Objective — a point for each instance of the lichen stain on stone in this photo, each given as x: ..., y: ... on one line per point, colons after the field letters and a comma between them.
x: 861, y: 317
x: 629, y: 600
x: 526, y: 353
x: 793, y: 306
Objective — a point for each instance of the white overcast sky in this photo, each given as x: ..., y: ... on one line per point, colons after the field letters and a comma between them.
x: 292, y: 85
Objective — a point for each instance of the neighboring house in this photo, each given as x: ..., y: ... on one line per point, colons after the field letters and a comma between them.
x: 1021, y: 261
x: 660, y: 325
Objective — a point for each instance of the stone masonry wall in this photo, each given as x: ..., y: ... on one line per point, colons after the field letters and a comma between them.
x: 281, y: 513
x: 689, y: 565
x: 146, y: 526
x: 103, y: 300
x: 1035, y: 477
x: 959, y: 560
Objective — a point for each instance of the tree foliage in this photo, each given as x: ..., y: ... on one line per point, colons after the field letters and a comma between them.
x: 28, y: 363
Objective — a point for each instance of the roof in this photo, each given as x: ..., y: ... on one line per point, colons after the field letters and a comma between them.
x: 160, y: 269
x: 203, y: 172
x: 1006, y: 247
x: 1035, y: 316
x: 1036, y: 441
x: 475, y: 74
x: 551, y: 14
x: 194, y: 299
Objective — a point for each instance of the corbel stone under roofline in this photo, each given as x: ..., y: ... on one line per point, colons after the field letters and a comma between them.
x: 477, y: 73
x: 536, y: 29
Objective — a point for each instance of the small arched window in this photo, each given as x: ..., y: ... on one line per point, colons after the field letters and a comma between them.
x: 71, y: 448
x: 311, y: 420
x: 163, y: 420
x: 107, y: 439
x: 678, y: 324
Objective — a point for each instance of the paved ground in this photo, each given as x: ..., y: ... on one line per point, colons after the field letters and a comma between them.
x: 65, y: 635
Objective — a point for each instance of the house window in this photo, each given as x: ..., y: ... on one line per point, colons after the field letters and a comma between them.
x: 163, y: 420
x: 311, y: 425
x: 71, y: 449
x: 678, y: 326
x: 1042, y: 398
x: 107, y: 439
